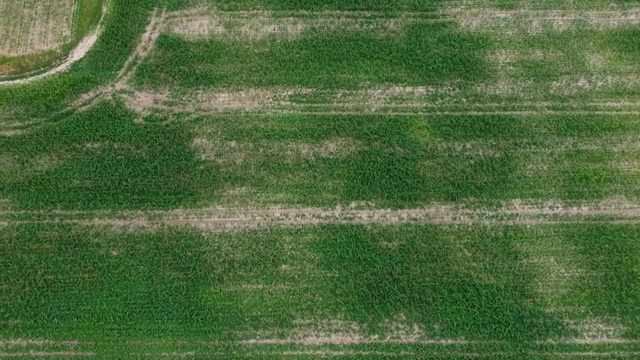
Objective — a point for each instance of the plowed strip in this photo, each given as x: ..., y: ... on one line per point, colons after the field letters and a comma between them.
x: 514, y: 213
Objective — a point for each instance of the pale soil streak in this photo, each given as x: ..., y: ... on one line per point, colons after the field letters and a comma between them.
x: 313, y: 332
x: 565, y: 85
x: 224, y: 152
x: 397, y: 330
x: 212, y: 100
x: 614, y: 211
x: 32, y: 342
x: 76, y: 55
x: 34, y: 26
x: 384, y: 99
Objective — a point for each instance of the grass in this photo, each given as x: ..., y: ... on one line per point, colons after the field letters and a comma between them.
x: 88, y: 16
x: 512, y: 286
x: 21, y: 64
x: 103, y: 159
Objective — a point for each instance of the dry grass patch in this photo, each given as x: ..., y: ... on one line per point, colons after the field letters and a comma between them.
x: 507, y: 23
x: 518, y: 212
x: 556, y: 267
x: 210, y: 100
x: 34, y: 26
x: 596, y: 330
x: 209, y: 23
x: 232, y: 152
x: 575, y: 84
x: 309, y: 331
x: 392, y: 99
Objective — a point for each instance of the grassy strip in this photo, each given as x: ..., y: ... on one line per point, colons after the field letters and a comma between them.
x: 109, y: 286
x: 103, y: 159
x: 21, y: 64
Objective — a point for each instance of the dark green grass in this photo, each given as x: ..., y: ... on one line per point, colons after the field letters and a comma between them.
x: 65, y: 281
x: 614, y: 255
x: 426, y: 54
x: 115, y: 287
x: 173, y: 284
x: 481, y: 295
x: 105, y: 160
x: 625, y: 42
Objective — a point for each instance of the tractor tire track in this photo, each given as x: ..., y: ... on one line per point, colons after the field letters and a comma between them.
x: 143, y: 50
x: 512, y: 213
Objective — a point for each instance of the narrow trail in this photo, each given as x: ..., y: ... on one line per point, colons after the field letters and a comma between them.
x: 76, y: 55
x: 512, y: 213
x: 327, y: 344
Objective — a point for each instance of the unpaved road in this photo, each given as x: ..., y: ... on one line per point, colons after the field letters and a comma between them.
x: 510, y: 213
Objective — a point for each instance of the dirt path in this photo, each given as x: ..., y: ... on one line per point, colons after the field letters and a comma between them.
x: 508, y: 213
x: 76, y: 55
x: 142, y: 51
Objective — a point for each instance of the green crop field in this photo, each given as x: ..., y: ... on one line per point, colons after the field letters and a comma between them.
x: 450, y: 179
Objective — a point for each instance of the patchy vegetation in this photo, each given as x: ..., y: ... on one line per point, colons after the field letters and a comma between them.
x: 327, y: 178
